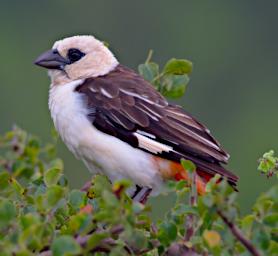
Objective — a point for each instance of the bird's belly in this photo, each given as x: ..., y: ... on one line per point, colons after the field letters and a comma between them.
x: 106, y: 154
x: 100, y: 152
x: 115, y: 158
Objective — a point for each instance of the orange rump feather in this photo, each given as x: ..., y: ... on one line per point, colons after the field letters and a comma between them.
x: 173, y: 170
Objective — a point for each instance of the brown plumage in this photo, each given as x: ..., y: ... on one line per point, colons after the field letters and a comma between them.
x: 122, y: 103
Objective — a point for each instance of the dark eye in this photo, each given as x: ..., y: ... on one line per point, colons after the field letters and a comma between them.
x: 75, y: 55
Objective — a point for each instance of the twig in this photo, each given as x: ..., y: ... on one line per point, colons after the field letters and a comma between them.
x: 82, y: 240
x: 158, y: 77
x: 155, y: 244
x: 149, y: 57
x: 104, y: 245
x: 117, y: 230
x: 238, y: 234
x: 181, y: 250
x: 86, y: 186
x: 192, y: 201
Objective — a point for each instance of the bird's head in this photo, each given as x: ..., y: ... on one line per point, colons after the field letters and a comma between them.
x: 77, y: 57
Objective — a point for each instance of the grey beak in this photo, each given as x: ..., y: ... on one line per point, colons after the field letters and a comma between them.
x: 51, y: 60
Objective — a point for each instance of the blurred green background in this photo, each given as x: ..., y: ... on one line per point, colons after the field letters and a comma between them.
x: 233, y: 45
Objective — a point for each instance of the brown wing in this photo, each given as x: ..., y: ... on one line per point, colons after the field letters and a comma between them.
x: 124, y: 105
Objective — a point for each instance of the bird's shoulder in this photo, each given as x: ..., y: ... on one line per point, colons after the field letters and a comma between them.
x: 122, y: 81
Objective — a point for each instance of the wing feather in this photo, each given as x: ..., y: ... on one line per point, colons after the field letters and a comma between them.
x: 126, y: 106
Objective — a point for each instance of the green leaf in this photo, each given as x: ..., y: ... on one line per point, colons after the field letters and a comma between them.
x: 20, y: 252
x: 262, y: 239
x: 247, y: 223
x: 64, y: 246
x: 174, y: 86
x: 208, y: 200
x: 185, y: 209
x: 100, y: 183
x: 178, y: 67
x: 138, y: 239
x: 52, y: 176
x: 110, y: 199
x: 137, y: 207
x: 181, y: 184
x: 120, y: 186
x: 29, y: 220
x: 268, y: 163
x: 57, y: 163
x: 106, y: 44
x: 95, y: 240
x: 271, y: 220
x: 4, y: 180
x: 7, y: 212
x: 53, y: 195
x: 167, y: 232
x: 188, y: 165
x: 212, y: 184
x: 212, y: 238
x: 273, y: 248
x: 171, y: 185
x: 17, y: 187
x: 77, y: 199
x: 80, y: 222
x: 149, y: 71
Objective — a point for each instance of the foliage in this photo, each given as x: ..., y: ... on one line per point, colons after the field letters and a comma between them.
x: 41, y: 215
x: 172, y: 80
x: 268, y: 164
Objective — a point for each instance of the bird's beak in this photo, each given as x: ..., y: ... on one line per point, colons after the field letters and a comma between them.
x: 51, y: 60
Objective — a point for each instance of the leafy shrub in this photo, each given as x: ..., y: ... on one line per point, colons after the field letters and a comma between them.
x: 41, y: 215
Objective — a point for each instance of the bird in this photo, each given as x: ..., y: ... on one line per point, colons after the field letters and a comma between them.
x: 119, y: 125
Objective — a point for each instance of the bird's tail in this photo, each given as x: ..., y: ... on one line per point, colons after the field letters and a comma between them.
x: 173, y: 170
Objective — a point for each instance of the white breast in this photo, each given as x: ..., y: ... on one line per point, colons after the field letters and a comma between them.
x: 99, y: 151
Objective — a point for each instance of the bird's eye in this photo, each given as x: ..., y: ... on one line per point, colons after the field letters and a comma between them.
x: 75, y: 55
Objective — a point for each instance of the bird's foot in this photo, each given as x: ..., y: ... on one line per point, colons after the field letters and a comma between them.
x: 141, y: 194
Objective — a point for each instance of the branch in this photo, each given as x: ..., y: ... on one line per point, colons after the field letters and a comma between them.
x: 149, y: 57
x: 86, y: 186
x: 192, y: 201
x: 181, y: 250
x: 238, y: 234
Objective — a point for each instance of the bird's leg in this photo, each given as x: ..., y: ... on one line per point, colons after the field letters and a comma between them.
x: 137, y: 190
x: 145, y: 196
x: 141, y: 194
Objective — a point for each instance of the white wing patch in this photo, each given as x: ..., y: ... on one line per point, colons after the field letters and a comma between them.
x: 92, y: 89
x: 142, y: 97
x: 146, y: 134
x: 105, y: 93
x: 151, y: 145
